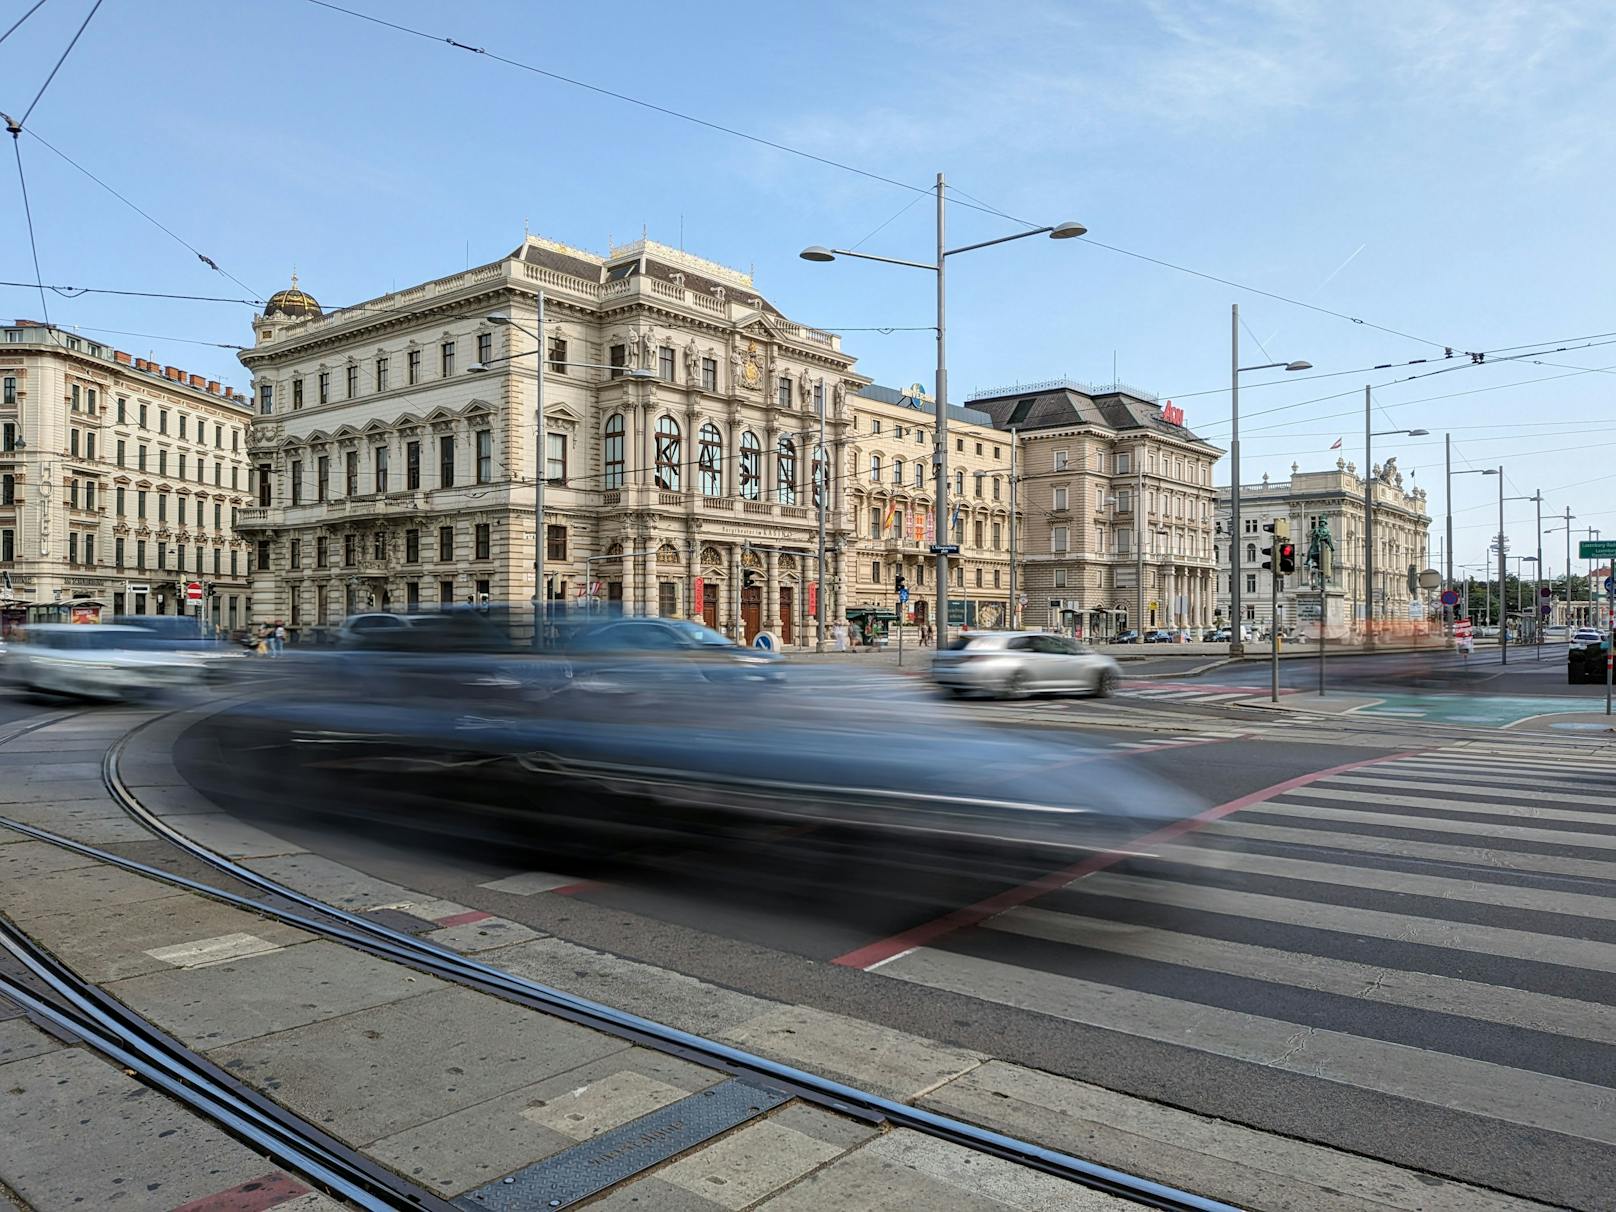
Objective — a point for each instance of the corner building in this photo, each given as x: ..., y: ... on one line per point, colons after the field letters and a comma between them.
x: 681, y: 437
x: 1117, y: 500
x: 121, y: 480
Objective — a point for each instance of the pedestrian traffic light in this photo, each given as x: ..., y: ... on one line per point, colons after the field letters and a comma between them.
x: 1268, y: 551
x: 1287, y: 557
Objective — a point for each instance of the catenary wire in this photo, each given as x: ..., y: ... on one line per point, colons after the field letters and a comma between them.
x: 28, y: 214
x: 88, y: 17
x: 17, y: 24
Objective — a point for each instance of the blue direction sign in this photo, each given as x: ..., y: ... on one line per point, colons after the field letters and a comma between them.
x: 903, y: 596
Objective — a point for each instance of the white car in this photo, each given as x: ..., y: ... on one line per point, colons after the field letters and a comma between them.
x: 1015, y: 664
x: 1583, y: 636
x: 96, y: 661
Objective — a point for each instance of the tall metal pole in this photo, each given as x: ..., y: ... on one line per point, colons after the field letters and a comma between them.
x: 1568, y: 571
x: 822, y: 482
x: 541, y: 595
x: 1369, y: 525
x: 1447, y: 460
x: 943, y: 538
x: 1537, y: 598
x: 1139, y: 533
x: 1236, y: 617
x: 1273, y: 627
x: 1503, y: 610
x: 1015, y: 602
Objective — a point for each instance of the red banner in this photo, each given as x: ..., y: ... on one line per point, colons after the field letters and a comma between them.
x: 813, y: 599
x: 698, y: 596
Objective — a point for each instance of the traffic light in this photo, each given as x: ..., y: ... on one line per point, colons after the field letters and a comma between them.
x: 1269, y: 551
x: 900, y: 582
x: 1287, y: 557
x: 748, y: 578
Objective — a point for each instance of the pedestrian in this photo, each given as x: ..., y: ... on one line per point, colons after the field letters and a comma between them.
x: 838, y: 633
x: 262, y: 646
x: 278, y: 640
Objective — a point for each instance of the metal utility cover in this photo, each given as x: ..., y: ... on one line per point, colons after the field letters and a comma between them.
x: 579, y: 1172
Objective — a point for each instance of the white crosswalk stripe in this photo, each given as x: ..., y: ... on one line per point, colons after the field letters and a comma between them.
x: 1412, y: 885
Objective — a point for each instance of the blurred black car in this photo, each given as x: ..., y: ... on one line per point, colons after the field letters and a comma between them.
x: 1158, y: 637
x: 1127, y: 637
x: 1586, y: 664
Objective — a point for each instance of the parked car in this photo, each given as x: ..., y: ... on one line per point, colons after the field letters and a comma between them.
x: 1556, y: 634
x: 1015, y: 664
x: 97, y: 661
x: 1221, y: 635
x: 1127, y: 637
x: 1159, y: 636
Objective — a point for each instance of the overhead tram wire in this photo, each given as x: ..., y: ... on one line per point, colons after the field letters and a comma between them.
x: 28, y: 113
x: 961, y: 198
x: 28, y: 213
x: 17, y: 24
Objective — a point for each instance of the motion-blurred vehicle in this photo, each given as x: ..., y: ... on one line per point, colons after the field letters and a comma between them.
x: 1556, y: 634
x: 98, y: 661
x: 1127, y: 637
x: 1158, y: 636
x: 646, y: 655
x: 1015, y: 664
x: 373, y: 628
x: 1585, y: 663
x: 186, y: 638
x: 1583, y: 636
x: 1486, y: 633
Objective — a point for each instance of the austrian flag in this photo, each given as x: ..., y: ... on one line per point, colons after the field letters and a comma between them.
x: 1336, y: 445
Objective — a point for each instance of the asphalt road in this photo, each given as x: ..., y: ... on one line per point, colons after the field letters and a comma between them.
x: 1384, y: 958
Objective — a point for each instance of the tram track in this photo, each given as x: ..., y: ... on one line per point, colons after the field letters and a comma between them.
x: 271, y: 899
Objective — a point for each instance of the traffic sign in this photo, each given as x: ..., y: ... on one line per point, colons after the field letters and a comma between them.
x: 1545, y: 592
x: 1610, y: 584
x: 1450, y: 597
x: 1595, y: 549
x: 903, y: 596
x: 193, y: 591
x: 945, y: 549
x: 1545, y: 611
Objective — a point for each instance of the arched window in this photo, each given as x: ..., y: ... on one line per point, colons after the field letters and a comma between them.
x: 875, y: 469
x: 920, y: 473
x: 614, y: 450
x: 751, y: 466
x: 959, y: 483
x: 787, y: 467
x: 710, y: 457
x: 1251, y: 553
x: 667, y: 454
x: 897, y: 471
x: 819, y: 474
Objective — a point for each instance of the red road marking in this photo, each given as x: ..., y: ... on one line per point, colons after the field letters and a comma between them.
x: 464, y: 919
x: 254, y: 1196
x: 974, y: 915
x: 574, y: 889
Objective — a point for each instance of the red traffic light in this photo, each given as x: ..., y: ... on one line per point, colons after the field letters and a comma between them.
x: 1287, y: 557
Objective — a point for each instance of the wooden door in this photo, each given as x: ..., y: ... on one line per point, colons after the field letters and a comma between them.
x: 752, y: 611
x: 785, y: 614
x: 709, y: 606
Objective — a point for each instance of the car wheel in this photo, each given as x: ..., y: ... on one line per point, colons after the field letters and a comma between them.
x: 1015, y: 686
x: 1106, y: 684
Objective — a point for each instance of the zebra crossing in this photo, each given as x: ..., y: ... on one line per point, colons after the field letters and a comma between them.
x: 1430, y: 936
x: 1195, y: 692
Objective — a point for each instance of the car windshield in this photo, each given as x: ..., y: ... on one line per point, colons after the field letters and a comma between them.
x: 700, y: 636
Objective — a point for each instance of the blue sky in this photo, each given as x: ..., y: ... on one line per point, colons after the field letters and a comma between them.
x: 1442, y: 169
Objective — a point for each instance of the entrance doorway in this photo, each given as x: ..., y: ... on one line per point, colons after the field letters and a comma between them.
x: 752, y: 611
x: 709, y: 605
x: 786, y: 630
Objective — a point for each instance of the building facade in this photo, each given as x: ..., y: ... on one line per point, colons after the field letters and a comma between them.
x: 120, y: 482
x: 1116, y: 498
x: 1402, y: 540
x: 682, y: 467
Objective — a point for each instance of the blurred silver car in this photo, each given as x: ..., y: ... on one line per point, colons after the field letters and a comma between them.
x: 97, y: 661
x: 1014, y: 664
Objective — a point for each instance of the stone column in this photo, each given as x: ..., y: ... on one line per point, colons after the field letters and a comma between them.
x: 732, y: 460
x: 838, y: 600
x: 733, y: 604
x: 687, y: 602
x: 771, y: 463
x: 771, y: 591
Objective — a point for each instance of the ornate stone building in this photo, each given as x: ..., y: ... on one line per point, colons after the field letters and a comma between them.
x: 682, y: 420
x: 1402, y: 526
x: 1117, y: 499
x: 120, y: 481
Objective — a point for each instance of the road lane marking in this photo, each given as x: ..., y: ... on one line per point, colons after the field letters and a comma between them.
x: 1442, y: 824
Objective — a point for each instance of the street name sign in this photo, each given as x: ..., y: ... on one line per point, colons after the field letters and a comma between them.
x: 1595, y: 549
x: 953, y: 548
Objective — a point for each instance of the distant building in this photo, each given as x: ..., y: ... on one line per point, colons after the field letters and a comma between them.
x: 1117, y: 499
x: 1402, y: 526
x: 120, y: 482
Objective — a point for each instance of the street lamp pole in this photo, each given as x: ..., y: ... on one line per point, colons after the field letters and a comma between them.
x: 1369, y: 512
x: 1015, y: 604
x: 1060, y: 231
x: 1237, y: 645
x: 1503, y: 614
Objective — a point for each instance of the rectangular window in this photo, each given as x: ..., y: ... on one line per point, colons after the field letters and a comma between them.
x: 1251, y: 584
x: 73, y: 493
x: 998, y: 535
x: 978, y: 531
x: 412, y: 546
x: 122, y: 452
x: 117, y: 553
x: 350, y: 550
x: 446, y: 356
x: 162, y: 462
x: 1124, y: 462
x: 162, y: 556
x: 325, y: 390
x: 322, y: 551
x: 294, y: 554
x: 617, y: 359
x: 8, y: 390
x: 263, y: 486
x: 140, y: 553
x: 322, y: 478
x: 555, y: 458
x: 709, y: 374
x: 979, y: 578
x: 445, y: 593
x: 89, y: 445
x: 665, y: 363
x: 234, y: 556
x: 162, y: 507
x: 182, y: 465
x: 353, y: 382
x: 445, y: 543
x: 446, y: 461
x: 412, y: 465
x: 485, y: 347
x: 997, y: 485
x: 8, y: 436
x: 558, y: 355
x: 350, y: 473
x: 381, y: 374
x: 297, y: 482
x: 73, y: 443
x: 782, y: 397
x: 123, y: 410
x: 218, y: 515
x: 140, y: 503
x: 379, y: 462
x: 266, y: 403
x: 412, y: 367
x: 555, y: 544
x: 978, y: 484
x: 73, y: 539
x: 143, y: 416
x: 485, y: 456
x: 119, y: 500
x: 1060, y: 499
x: 216, y: 557
x: 297, y: 401
x: 1057, y: 538
x: 412, y: 596
x: 481, y: 542
x: 89, y: 494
